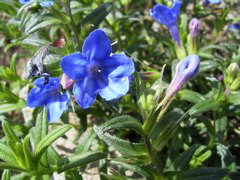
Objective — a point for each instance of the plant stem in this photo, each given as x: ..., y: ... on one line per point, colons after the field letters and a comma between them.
x: 73, y: 25
x: 152, y: 154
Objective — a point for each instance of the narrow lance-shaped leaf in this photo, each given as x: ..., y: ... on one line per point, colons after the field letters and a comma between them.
x: 120, y: 122
x: 132, y: 167
x: 10, y: 134
x: 85, y: 141
x: 6, y: 154
x: 98, y: 14
x: 125, y: 147
x: 78, y: 160
x: 49, y: 139
x: 6, y: 175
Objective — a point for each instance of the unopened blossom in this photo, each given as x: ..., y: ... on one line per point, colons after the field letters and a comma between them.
x: 66, y: 82
x: 185, y: 70
x: 168, y: 16
x: 194, y: 27
x: 49, y: 95
x: 96, y: 70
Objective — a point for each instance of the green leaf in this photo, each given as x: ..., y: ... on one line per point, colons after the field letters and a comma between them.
x: 6, y: 94
x: 6, y: 175
x: 203, y: 106
x: 73, y: 175
x: 79, y: 160
x: 86, y: 140
x: 21, y: 176
x: 221, y: 124
x: 10, y: 134
x: 12, y: 106
x: 120, y: 122
x: 98, y: 14
x: 209, y: 65
x: 227, y: 159
x: 234, y: 98
x: 182, y: 162
x: 125, y: 147
x: 41, y: 131
x: 206, y: 173
x: 41, y: 126
x: 132, y: 167
x: 191, y: 96
x: 199, y: 156
x: 166, y: 127
x: 8, y: 74
x: 27, y: 153
x: 44, y: 24
x: 4, y: 165
x: 49, y: 139
x: 6, y: 153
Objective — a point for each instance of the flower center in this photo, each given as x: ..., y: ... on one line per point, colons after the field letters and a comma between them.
x: 95, y: 70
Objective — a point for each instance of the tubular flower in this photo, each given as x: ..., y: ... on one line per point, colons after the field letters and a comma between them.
x: 97, y: 71
x: 49, y: 95
x: 185, y: 70
x: 168, y: 16
x: 43, y: 3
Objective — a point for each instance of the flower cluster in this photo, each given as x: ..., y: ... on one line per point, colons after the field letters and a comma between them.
x: 94, y: 71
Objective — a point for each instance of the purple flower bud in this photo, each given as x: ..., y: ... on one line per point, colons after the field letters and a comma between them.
x: 66, y: 82
x: 194, y: 27
x: 185, y: 70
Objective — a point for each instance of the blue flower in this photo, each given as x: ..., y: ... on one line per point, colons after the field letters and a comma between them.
x: 213, y: 1
x: 235, y: 26
x: 168, y: 16
x: 49, y: 95
x: 186, y: 69
x: 43, y: 3
x: 97, y: 71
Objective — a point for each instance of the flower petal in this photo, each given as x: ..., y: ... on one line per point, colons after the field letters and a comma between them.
x: 97, y: 46
x: 24, y: 1
x: 85, y: 92
x: 56, y: 105
x: 40, y: 82
x: 165, y: 15
x: 176, y: 8
x: 46, y: 3
x: 74, y: 65
x: 37, y: 97
x: 119, y: 66
x: 115, y: 89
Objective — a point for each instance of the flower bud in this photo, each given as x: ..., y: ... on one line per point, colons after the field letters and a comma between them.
x: 231, y: 73
x: 66, y: 82
x: 235, y: 84
x: 194, y: 27
x: 185, y: 70
x: 233, y: 69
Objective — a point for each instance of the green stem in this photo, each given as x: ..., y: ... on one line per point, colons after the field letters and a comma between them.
x: 73, y: 25
x: 152, y: 154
